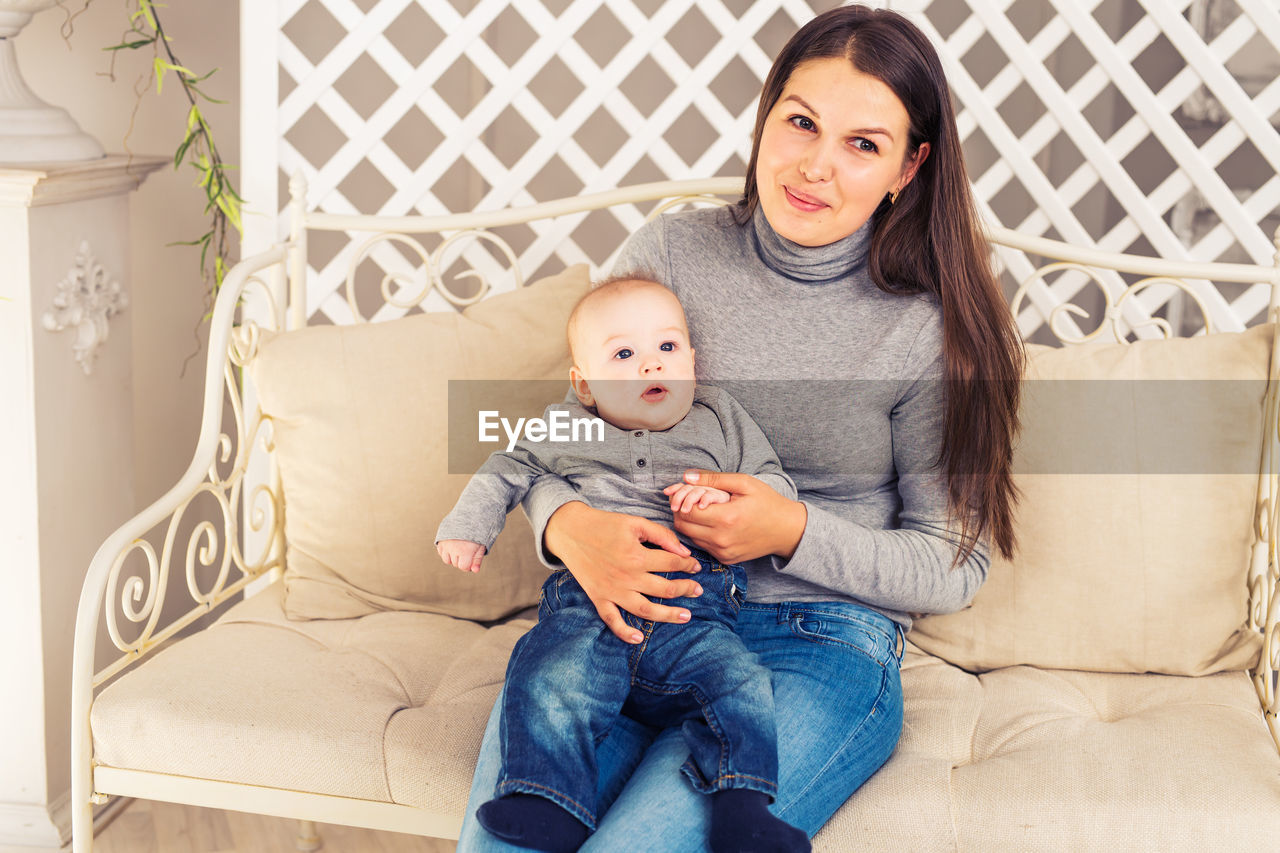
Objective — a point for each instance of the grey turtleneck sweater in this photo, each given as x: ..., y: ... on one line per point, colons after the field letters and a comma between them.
x: 844, y: 380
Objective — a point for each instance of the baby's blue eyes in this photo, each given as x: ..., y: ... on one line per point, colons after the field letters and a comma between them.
x: 625, y: 353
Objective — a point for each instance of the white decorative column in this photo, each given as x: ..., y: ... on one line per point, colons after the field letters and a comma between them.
x: 66, y: 453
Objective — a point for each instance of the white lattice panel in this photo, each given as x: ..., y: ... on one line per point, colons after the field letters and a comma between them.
x: 401, y: 107
x: 1100, y: 105
x: 1083, y: 119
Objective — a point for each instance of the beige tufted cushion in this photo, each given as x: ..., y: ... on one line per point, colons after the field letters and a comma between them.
x: 314, y: 706
x: 1126, y: 567
x: 361, y: 415
x: 1026, y: 760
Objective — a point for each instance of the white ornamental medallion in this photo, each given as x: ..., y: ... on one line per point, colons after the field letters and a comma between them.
x: 87, y: 298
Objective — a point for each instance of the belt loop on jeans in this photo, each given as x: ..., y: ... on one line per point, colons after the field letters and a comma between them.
x: 784, y: 613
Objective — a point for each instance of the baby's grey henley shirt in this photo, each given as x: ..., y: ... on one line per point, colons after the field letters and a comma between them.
x: 626, y: 471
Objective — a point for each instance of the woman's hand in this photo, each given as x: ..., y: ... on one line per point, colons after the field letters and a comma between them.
x: 756, y: 521
x: 605, y: 553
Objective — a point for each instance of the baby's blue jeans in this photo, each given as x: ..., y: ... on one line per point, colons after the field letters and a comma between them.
x: 569, y: 678
x: 837, y: 700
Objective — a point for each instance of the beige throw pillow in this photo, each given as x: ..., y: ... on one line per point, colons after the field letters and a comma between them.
x: 1136, y: 517
x: 361, y: 415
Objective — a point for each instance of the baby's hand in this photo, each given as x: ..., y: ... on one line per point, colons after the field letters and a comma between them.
x: 685, y: 497
x: 461, y: 553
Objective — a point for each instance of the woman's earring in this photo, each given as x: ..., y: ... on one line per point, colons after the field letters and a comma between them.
x: 893, y: 196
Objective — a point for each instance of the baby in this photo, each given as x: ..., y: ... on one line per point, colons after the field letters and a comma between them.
x: 569, y: 677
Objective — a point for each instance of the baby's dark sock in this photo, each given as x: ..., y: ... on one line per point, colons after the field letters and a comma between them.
x: 742, y: 823
x: 527, y: 820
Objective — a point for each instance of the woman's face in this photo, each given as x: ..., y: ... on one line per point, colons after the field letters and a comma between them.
x: 831, y: 148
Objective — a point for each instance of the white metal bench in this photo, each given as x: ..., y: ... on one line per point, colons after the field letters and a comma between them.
x: 243, y: 544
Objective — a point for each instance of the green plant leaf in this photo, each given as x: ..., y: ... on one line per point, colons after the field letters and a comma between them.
x: 201, y: 93
x: 231, y: 209
x: 186, y: 72
x: 204, y: 252
x: 131, y: 45
x: 144, y: 6
x: 182, y: 151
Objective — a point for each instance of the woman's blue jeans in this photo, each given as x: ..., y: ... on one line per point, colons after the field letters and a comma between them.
x: 838, y: 712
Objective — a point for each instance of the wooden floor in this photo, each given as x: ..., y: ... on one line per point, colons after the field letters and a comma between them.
x: 153, y: 827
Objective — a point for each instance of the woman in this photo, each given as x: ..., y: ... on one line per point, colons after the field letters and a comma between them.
x: 848, y: 303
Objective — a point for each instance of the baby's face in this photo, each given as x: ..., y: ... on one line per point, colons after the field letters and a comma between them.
x: 633, y: 359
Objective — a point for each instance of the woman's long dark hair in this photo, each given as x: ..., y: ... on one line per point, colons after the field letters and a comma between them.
x: 930, y: 240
